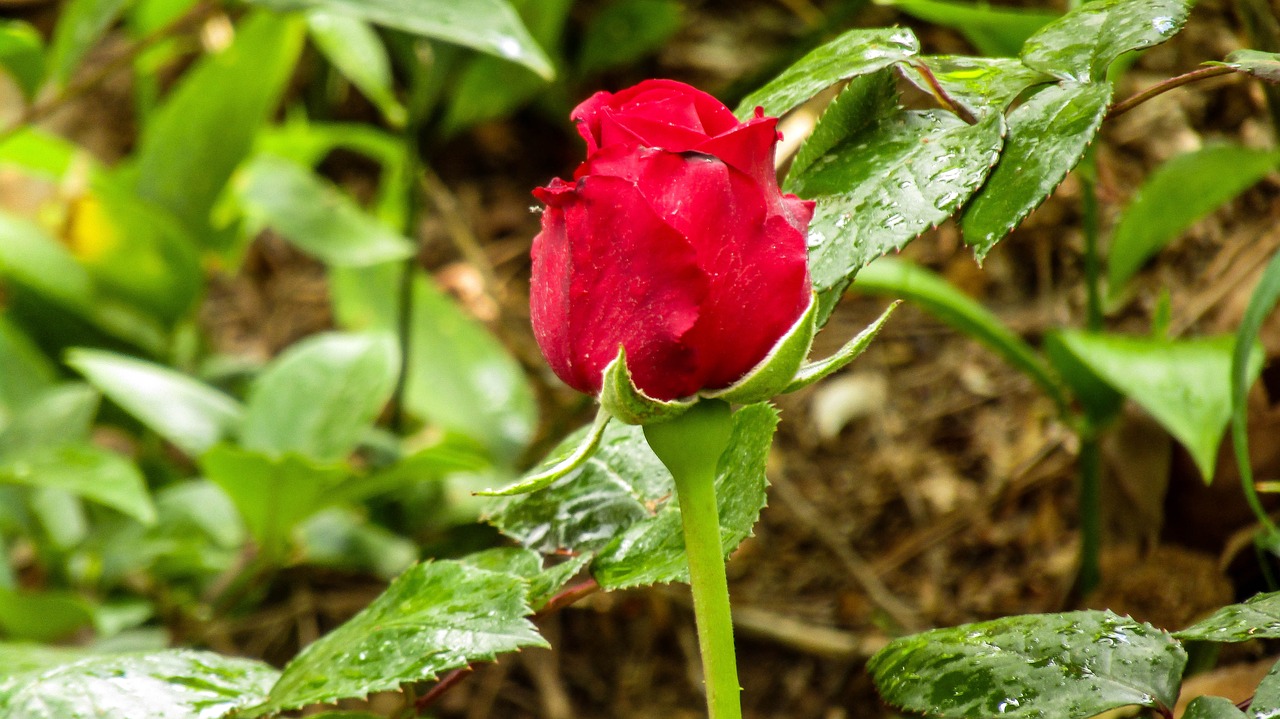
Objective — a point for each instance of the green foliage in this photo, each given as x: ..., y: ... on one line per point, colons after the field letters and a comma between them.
x: 995, y: 31
x: 356, y: 51
x: 1178, y: 193
x: 1256, y: 618
x: 490, y: 26
x: 312, y: 214
x: 857, y: 52
x: 39, y: 683
x: 1048, y: 135
x: 1263, y: 300
x: 207, y: 125
x: 81, y: 24
x: 22, y: 55
x: 1082, y: 44
x: 1262, y: 65
x: 1184, y: 384
x: 435, y: 617
x: 42, y: 616
x: 320, y: 397
x: 1211, y: 707
x: 185, y: 411
x: 1071, y: 665
x: 981, y: 85
x: 626, y: 30
x: 881, y: 188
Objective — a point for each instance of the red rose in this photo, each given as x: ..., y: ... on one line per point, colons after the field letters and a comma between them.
x: 674, y: 242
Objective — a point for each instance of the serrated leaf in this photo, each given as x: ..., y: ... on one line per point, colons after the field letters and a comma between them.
x: 320, y: 396
x: 856, y: 52
x: 458, y: 376
x: 1266, y: 700
x: 1256, y: 618
x: 981, y: 85
x: 1082, y: 44
x: 273, y: 494
x: 85, y: 471
x: 490, y: 26
x: 882, y: 188
x: 1181, y: 191
x: 433, y: 618
x: 143, y: 685
x: 652, y: 550
x: 620, y: 484
x: 81, y: 23
x: 183, y: 410
x: 1072, y: 665
x: 899, y: 278
x: 995, y: 31
x: 1184, y: 384
x: 1262, y: 65
x: 526, y: 564
x: 206, y: 126
x: 1210, y: 707
x: 865, y: 101
x: 1048, y: 135
x: 357, y: 52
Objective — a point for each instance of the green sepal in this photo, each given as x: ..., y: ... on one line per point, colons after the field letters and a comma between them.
x: 556, y: 467
x: 814, y: 371
x: 776, y: 371
x: 620, y: 397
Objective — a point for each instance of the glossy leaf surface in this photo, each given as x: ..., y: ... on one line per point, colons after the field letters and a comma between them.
x: 994, y: 31
x: 857, y: 52
x: 1256, y: 618
x: 982, y: 85
x: 1048, y: 136
x: 1262, y: 65
x: 1072, y: 665
x: 1082, y: 44
x: 433, y: 618
x: 1211, y: 707
x: 884, y: 187
x: 168, y: 684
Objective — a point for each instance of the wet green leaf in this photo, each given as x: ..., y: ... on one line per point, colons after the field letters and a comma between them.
x: 651, y: 551
x: 273, y: 494
x: 490, y: 26
x: 81, y: 24
x: 458, y: 376
x: 314, y: 215
x: 1072, y: 665
x: 1210, y: 707
x: 433, y: 618
x: 170, y: 684
x: 995, y: 31
x: 1082, y: 44
x: 1262, y: 65
x: 864, y: 102
x: 207, y: 124
x: 357, y: 52
x: 183, y: 410
x: 1048, y: 136
x: 526, y: 564
x: 882, y: 188
x: 857, y: 52
x: 1266, y: 700
x: 1184, y: 384
x: 320, y: 396
x: 1178, y: 193
x: 982, y: 85
x: 899, y: 278
x: 1256, y: 618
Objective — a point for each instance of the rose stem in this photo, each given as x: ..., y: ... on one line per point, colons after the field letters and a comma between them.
x: 690, y: 446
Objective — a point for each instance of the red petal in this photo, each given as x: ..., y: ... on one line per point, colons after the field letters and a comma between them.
x: 748, y: 148
x: 608, y: 272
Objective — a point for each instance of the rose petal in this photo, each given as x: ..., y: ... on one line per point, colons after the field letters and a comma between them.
x: 608, y: 272
x: 750, y: 148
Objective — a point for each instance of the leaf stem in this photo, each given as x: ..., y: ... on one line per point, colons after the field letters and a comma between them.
x: 940, y: 94
x: 1164, y: 86
x: 690, y: 446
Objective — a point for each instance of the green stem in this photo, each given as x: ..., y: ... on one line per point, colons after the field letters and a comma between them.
x: 690, y: 446
x: 1090, y: 514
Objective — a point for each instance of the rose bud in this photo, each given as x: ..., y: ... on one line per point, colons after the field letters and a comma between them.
x: 673, y: 260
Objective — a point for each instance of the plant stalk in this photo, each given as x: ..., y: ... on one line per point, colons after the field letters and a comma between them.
x: 690, y: 446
